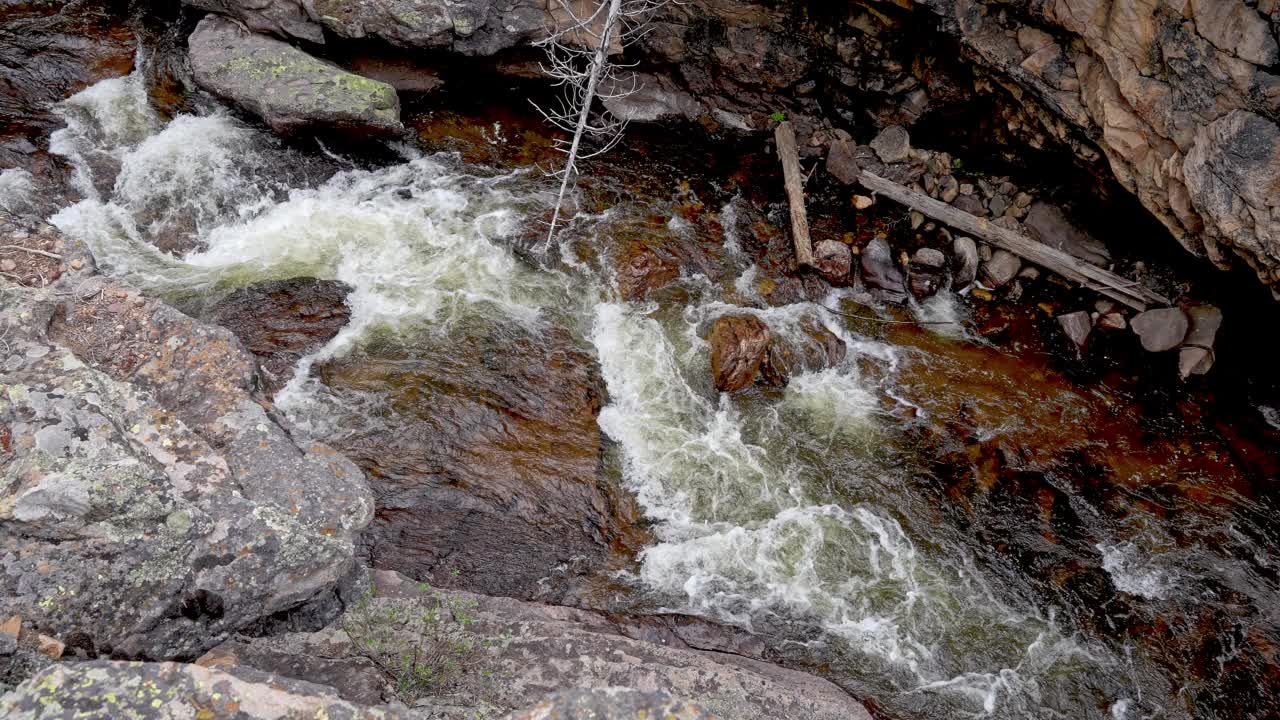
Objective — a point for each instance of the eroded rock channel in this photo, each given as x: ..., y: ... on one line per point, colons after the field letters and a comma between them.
x: 301, y: 405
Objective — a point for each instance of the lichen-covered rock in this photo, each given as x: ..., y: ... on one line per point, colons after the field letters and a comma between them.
x: 102, y: 690
x: 289, y: 89
x: 518, y: 652
x: 149, y: 505
x: 612, y: 704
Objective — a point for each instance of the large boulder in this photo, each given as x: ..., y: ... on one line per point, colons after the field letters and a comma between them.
x: 149, y: 505
x: 472, y: 27
x: 289, y: 89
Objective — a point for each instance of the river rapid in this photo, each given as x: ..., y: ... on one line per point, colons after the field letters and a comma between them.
x: 1052, y: 557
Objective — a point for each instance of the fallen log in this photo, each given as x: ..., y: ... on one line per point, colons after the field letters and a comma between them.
x: 785, y: 137
x: 1129, y: 292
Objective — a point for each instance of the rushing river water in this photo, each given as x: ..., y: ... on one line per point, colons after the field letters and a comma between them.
x: 794, y: 514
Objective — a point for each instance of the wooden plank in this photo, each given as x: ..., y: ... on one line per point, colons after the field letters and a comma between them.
x: 785, y: 137
x: 1129, y: 292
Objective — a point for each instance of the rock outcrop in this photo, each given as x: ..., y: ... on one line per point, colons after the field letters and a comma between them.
x: 1180, y: 97
x: 104, y: 690
x: 289, y: 89
x: 518, y: 652
x: 470, y: 27
x: 149, y: 505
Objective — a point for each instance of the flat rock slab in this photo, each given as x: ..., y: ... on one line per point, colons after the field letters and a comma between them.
x: 522, y: 651
x: 290, y: 90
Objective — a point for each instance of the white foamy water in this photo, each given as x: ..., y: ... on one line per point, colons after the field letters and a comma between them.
x: 770, y: 512
x: 17, y: 191
x: 1136, y: 572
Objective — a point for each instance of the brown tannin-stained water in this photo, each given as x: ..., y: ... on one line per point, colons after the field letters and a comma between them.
x: 945, y: 526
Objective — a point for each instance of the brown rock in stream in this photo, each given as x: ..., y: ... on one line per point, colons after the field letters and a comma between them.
x: 738, y: 347
x: 282, y: 320
x: 485, y: 459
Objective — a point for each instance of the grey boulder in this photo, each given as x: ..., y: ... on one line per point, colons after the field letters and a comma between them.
x: 149, y: 505
x: 290, y: 90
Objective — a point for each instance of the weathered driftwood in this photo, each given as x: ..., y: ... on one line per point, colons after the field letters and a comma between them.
x: 1129, y: 292
x: 794, y: 179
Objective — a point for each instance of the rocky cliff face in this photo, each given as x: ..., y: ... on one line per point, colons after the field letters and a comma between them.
x: 1178, y: 99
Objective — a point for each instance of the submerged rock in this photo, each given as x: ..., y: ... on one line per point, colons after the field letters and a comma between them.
x: 485, y: 456
x: 152, y: 506
x: 290, y: 90
x: 738, y: 347
x: 881, y: 273
x: 280, y: 321
x: 833, y: 260
x: 1160, y: 329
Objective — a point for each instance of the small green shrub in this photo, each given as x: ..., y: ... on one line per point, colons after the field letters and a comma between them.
x: 420, y: 644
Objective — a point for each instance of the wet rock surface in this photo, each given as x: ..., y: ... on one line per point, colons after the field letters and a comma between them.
x: 48, y: 52
x: 486, y: 461
x: 151, y: 506
x: 280, y: 321
x: 290, y: 90
x: 738, y: 347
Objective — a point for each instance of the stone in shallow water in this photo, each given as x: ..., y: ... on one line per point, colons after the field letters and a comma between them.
x: 1161, y: 329
x: 832, y: 260
x: 282, y: 320
x: 880, y: 272
x: 290, y: 90
x: 738, y: 347
x: 1077, y: 326
x: 1196, y: 355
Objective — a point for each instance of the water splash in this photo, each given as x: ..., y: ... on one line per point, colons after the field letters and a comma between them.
x: 17, y: 191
